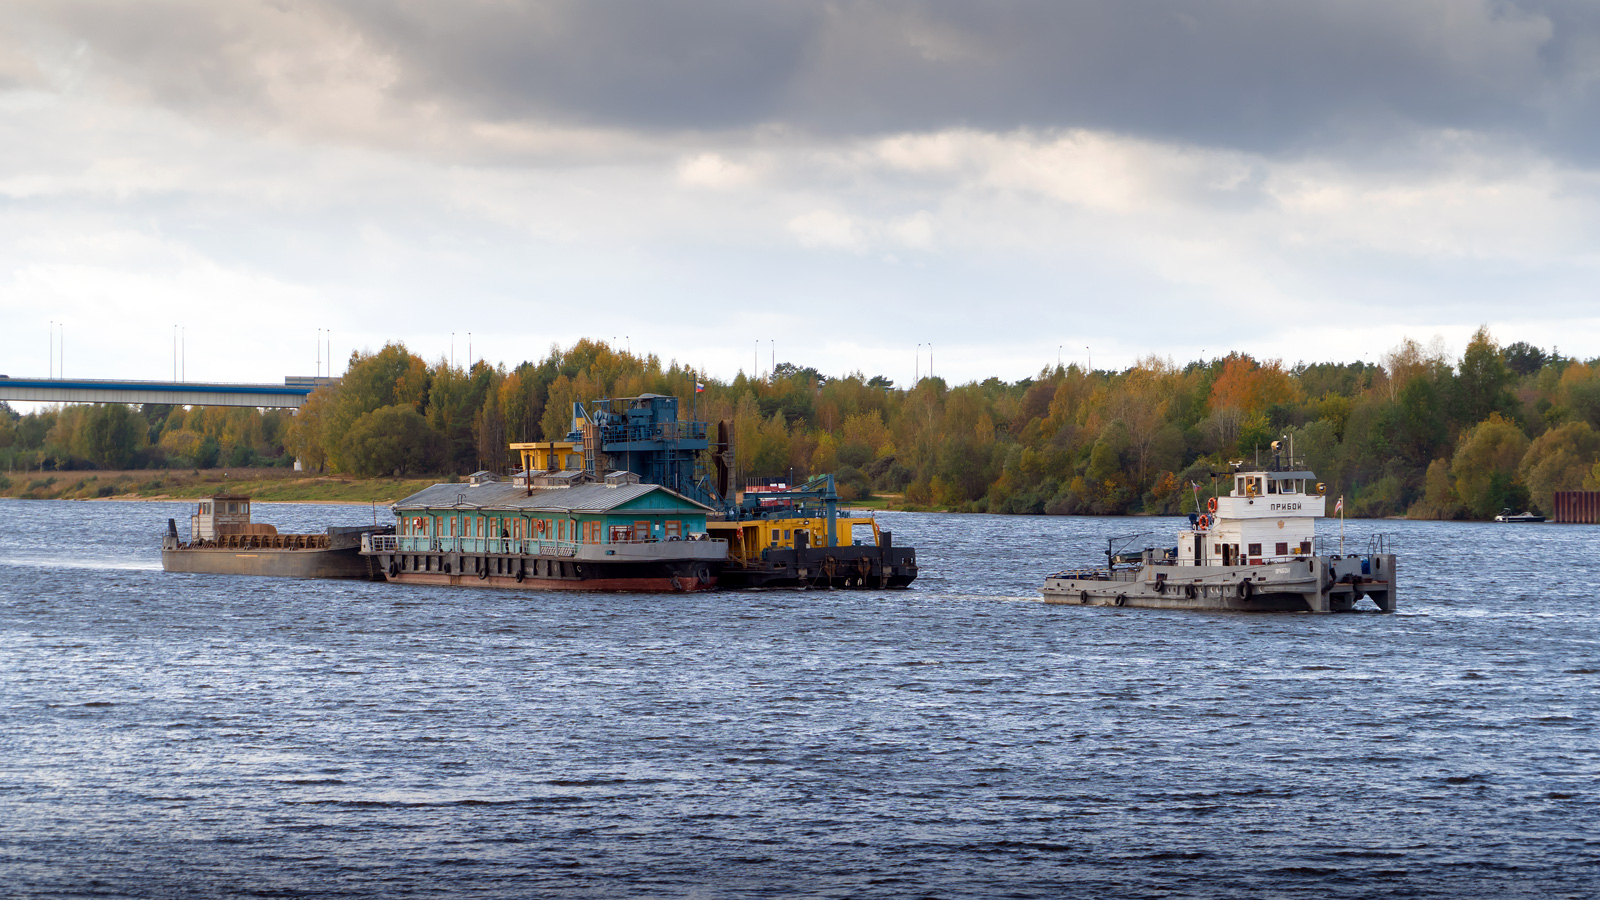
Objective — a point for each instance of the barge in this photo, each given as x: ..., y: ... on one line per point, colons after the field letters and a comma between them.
x: 775, y: 536
x: 562, y: 530
x: 224, y: 541
x: 1254, y: 550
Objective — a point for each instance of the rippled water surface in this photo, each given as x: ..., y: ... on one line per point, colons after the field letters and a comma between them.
x: 203, y: 736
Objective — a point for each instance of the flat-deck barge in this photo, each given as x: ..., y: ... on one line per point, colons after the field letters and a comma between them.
x: 224, y: 541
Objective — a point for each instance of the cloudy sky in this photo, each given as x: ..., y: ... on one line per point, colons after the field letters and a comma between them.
x: 1008, y: 182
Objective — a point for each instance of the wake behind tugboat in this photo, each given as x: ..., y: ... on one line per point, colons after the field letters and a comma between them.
x: 1254, y: 551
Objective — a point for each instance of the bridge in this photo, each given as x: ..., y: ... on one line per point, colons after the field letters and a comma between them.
x: 291, y: 394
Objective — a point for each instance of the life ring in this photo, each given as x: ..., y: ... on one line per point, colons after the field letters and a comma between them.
x: 1211, y: 505
x: 1122, y: 599
x: 1202, y: 523
x: 1083, y: 598
x: 1246, y: 588
x: 1189, y: 591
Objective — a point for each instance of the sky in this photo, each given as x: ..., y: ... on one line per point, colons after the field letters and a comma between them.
x: 836, y: 184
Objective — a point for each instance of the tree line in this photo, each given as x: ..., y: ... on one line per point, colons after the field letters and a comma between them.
x: 1416, y: 433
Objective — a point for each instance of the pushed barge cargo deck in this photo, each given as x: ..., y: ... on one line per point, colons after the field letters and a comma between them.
x: 1254, y: 550
x: 224, y: 541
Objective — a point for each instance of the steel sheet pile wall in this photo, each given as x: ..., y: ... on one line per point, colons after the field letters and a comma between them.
x: 1578, y: 507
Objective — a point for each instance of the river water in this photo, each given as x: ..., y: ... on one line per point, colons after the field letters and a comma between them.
x: 175, y: 736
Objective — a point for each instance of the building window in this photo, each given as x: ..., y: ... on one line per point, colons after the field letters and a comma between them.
x: 673, y: 528
x: 1283, y: 549
x: 1255, y: 550
x: 1305, y: 548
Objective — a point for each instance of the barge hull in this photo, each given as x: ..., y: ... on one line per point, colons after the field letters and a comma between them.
x: 863, y: 566
x: 343, y: 563
x: 546, y: 573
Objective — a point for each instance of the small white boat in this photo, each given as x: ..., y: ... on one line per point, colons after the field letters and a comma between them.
x: 1507, y: 515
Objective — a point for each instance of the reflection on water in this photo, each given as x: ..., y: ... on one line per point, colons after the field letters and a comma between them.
x: 191, y: 735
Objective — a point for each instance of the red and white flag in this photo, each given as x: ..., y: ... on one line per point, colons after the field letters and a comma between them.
x: 1339, y: 507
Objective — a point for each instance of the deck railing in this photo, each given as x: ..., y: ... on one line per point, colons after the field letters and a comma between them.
x: 511, y: 546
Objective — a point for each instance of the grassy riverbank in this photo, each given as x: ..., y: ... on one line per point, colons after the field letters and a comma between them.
x: 267, y: 484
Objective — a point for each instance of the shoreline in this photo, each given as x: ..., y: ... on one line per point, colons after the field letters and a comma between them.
x: 264, y: 485
x: 324, y: 502
x: 278, y: 485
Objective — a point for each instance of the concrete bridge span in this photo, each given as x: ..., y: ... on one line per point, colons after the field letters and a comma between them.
x: 291, y: 394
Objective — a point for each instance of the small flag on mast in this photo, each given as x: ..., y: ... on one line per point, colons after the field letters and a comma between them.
x: 1339, y: 507
x: 699, y: 388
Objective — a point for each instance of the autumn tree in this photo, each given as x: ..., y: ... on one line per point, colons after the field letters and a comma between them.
x: 1485, y: 467
x: 1558, y: 460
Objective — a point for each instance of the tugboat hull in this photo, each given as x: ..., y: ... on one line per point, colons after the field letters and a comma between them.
x: 1318, y: 584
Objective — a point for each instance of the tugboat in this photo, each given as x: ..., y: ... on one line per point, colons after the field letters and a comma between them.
x: 1253, y: 550
x: 223, y: 541
x: 800, y: 537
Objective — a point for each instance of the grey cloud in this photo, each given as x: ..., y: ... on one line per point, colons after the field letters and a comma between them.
x: 1249, y: 73
x: 1252, y: 74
